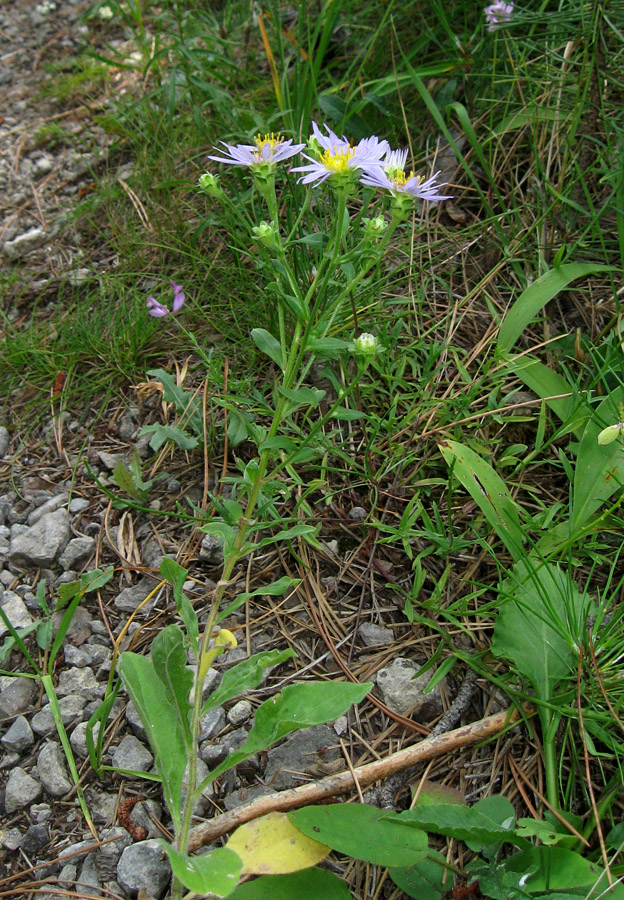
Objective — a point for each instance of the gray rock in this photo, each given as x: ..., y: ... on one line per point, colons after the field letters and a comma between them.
x: 78, y: 505
x: 11, y: 839
x: 10, y: 759
x: 306, y: 752
x: 78, y: 738
x: 17, y: 698
x: 21, y: 790
x: 40, y: 812
x: 127, y: 427
x: 4, y: 440
x: 15, y: 610
x: 71, y: 708
x: 211, y: 549
x: 375, y: 635
x: 77, y: 552
x: 357, y: 513
x: 50, y: 505
x: 38, y: 546
x: 211, y: 723
x: 36, y: 837
x: 24, y: 243
x: 79, y: 681
x: 132, y: 754
x: 67, y: 875
x: 134, y: 721
x: 402, y: 689
x: 202, y: 804
x: 240, y: 712
x: 51, y: 770
x: 144, y: 865
x: 80, y: 628
x: 19, y: 737
x: 128, y: 599
x: 77, y: 657
x: 89, y: 874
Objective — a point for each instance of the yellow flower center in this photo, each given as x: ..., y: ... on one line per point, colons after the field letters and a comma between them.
x: 399, y: 178
x: 337, y: 162
x: 267, y: 144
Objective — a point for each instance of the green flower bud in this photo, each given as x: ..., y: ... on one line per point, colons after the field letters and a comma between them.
x: 374, y: 228
x: 608, y: 435
x: 266, y: 233
x: 209, y: 183
x: 366, y: 344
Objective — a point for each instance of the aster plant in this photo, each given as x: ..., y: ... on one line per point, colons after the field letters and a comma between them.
x: 315, y: 275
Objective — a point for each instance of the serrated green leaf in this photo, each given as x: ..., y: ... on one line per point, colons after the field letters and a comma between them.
x: 215, y: 873
x: 362, y: 832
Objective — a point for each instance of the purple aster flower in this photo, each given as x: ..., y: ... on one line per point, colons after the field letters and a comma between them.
x: 336, y: 156
x: 156, y: 309
x: 390, y: 176
x: 268, y: 148
x: 498, y: 13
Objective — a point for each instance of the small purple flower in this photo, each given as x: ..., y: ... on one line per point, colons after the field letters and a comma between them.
x: 390, y: 175
x: 498, y: 13
x: 156, y: 309
x: 336, y: 156
x: 268, y: 149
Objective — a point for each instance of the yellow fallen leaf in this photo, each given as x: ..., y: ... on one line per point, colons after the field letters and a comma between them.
x: 272, y: 846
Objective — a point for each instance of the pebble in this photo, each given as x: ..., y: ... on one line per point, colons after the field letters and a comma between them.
x: 240, y: 712
x: 77, y: 552
x: 40, y: 544
x: 4, y: 440
x: 17, y: 698
x: 402, y: 689
x: 71, y: 708
x: 132, y: 754
x: 78, y: 505
x: 21, y: 790
x: 79, y: 681
x: 51, y: 770
x: 15, y: 610
x: 144, y: 865
x: 19, y: 737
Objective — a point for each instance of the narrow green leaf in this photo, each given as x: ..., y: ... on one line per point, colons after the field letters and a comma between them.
x: 310, y: 884
x: 176, y: 575
x: 269, y: 345
x: 488, y: 491
x: 304, y: 396
x: 464, y: 823
x: 362, y: 832
x: 215, y: 873
x: 537, y: 295
x: 245, y: 676
x: 185, y: 403
x: 297, y: 706
x: 551, y: 387
x: 160, y: 720
x: 169, y: 661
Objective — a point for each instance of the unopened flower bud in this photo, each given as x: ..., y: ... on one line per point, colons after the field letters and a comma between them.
x: 210, y: 184
x: 374, y: 228
x: 225, y: 638
x: 609, y: 434
x: 267, y: 234
x: 366, y: 344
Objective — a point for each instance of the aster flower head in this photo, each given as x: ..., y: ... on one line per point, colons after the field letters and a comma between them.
x: 267, y: 150
x: 498, y: 13
x: 158, y: 310
x: 390, y: 175
x: 337, y: 159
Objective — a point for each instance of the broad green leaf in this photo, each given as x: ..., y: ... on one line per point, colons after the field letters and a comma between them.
x: 297, y: 706
x: 532, y: 626
x: 222, y: 530
x: 313, y: 240
x: 215, y: 873
x: 599, y: 470
x: 488, y: 491
x: 125, y: 481
x: 276, y: 589
x: 537, y: 295
x: 553, y: 389
x: 347, y: 415
x: 163, y: 433
x: 362, y: 832
x: 169, y: 661
x: 271, y: 845
x: 279, y: 442
x: 555, y: 869
x: 185, y: 403
x: 528, y: 828
x: 499, y: 810
x: 89, y: 581
x: 431, y: 793
x: 303, y: 396
x: 311, y: 884
x: 327, y: 345
x: 160, y: 720
x: 425, y: 879
x: 245, y: 676
x: 269, y: 345
x: 176, y: 575
x: 465, y: 823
